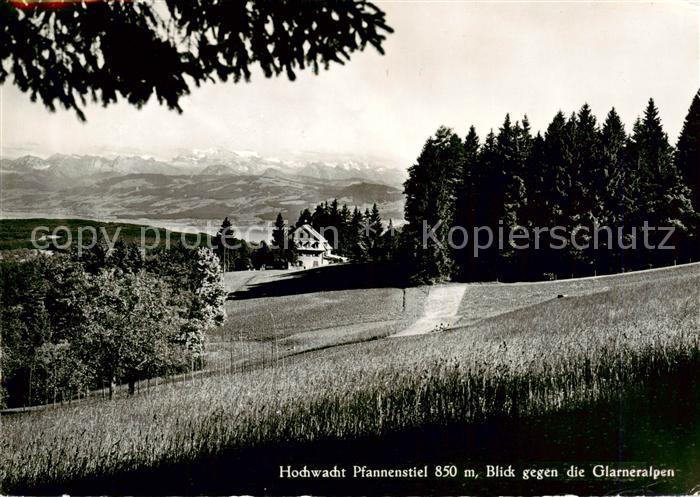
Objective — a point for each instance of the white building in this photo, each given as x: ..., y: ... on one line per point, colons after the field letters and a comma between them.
x: 313, y: 250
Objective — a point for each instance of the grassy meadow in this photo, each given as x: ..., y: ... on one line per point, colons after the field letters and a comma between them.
x: 262, y: 330
x: 532, y: 355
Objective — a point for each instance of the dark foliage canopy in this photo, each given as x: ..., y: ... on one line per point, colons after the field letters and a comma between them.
x: 576, y: 177
x: 688, y: 150
x: 136, y: 50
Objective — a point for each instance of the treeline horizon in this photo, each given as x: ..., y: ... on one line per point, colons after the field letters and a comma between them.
x: 630, y: 199
x: 358, y: 234
x: 576, y: 174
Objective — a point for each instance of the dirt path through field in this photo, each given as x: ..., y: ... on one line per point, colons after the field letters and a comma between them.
x: 440, y: 310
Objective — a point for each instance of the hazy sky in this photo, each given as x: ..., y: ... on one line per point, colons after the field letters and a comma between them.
x: 452, y: 63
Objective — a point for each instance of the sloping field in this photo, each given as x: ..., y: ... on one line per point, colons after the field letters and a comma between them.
x: 488, y: 300
x: 268, y: 322
x: 267, y: 329
x: 305, y: 321
x: 439, y: 310
x: 633, y: 334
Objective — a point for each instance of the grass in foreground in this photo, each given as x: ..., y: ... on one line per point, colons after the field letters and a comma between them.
x: 555, y: 356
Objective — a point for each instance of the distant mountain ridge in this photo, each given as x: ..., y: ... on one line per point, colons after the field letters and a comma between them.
x: 206, y: 162
x: 75, y: 166
x: 202, y: 185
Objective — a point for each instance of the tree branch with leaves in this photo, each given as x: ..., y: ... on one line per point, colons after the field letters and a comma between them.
x: 139, y: 50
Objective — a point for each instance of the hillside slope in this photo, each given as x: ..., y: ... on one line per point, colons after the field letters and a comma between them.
x: 629, y: 342
x: 249, y: 199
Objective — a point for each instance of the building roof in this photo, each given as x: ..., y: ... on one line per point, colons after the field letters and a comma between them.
x: 308, y: 239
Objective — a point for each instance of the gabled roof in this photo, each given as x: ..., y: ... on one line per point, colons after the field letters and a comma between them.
x: 307, y: 238
x: 318, y: 236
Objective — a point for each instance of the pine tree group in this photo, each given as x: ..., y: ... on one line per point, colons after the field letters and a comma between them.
x: 579, y: 177
x: 356, y: 235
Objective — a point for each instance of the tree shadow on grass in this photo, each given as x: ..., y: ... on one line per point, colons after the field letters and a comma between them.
x: 326, y: 279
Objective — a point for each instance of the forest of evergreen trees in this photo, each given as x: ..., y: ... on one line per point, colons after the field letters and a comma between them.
x: 580, y: 199
x: 358, y: 235
x: 578, y: 176
x: 355, y: 234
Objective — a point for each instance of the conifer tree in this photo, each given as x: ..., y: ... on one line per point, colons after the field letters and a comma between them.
x: 224, y: 241
x: 374, y: 233
x: 356, y: 241
x: 615, y: 203
x: 430, y: 191
x: 534, y: 212
x: 486, y: 207
x: 550, y: 193
x: 587, y: 183
x: 344, y: 231
x: 661, y: 198
x: 467, y: 198
x: 279, y: 233
x: 568, y: 177
x: 334, y: 210
x: 506, y: 189
x: 320, y: 219
x: 365, y: 232
x: 390, y: 243
x: 507, y: 173
x: 190, y: 42
x: 614, y: 165
x: 333, y: 222
x: 525, y: 139
x: 688, y: 151
x: 305, y: 217
x: 587, y: 177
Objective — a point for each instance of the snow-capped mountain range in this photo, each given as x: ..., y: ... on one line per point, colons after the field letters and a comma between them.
x: 202, y: 184
x: 204, y: 162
